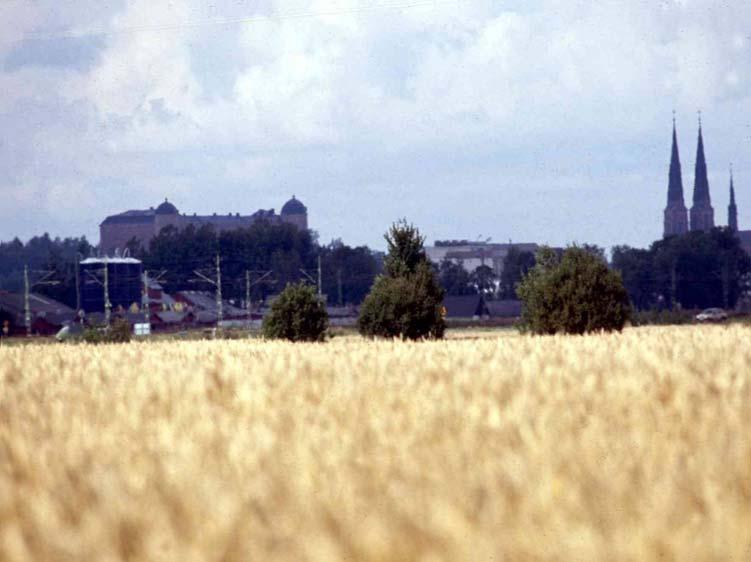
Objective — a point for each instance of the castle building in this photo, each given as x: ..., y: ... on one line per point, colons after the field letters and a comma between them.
x: 116, y: 231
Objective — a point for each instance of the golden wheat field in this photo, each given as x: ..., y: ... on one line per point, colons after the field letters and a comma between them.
x: 502, y: 447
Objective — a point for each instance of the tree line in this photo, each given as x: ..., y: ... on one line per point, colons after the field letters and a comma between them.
x: 265, y: 256
x: 43, y: 253
x: 692, y: 271
x: 696, y: 270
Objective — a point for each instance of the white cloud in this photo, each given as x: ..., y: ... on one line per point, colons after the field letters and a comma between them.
x: 332, y: 93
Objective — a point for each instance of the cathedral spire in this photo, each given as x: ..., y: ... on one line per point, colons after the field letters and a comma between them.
x: 701, y: 182
x: 675, y: 180
x: 675, y: 215
x: 702, y: 214
x: 732, y: 209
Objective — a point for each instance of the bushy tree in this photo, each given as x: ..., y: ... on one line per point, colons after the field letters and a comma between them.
x: 516, y: 264
x: 297, y: 315
x: 483, y: 278
x: 406, y: 249
x: 408, y: 306
x: 118, y: 332
x: 574, y: 294
x: 455, y: 279
x: 406, y: 301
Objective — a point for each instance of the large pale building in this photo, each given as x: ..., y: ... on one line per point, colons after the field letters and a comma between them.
x: 471, y: 255
x: 116, y: 231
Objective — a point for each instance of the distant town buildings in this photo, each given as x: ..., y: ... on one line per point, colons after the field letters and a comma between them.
x: 471, y: 255
x: 677, y: 219
x: 116, y: 231
x: 46, y: 316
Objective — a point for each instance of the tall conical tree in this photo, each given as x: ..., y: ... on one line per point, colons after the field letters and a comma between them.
x: 675, y: 215
x: 732, y: 209
x: 702, y: 213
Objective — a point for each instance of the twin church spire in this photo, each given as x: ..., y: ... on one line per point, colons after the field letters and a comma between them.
x: 676, y: 214
x: 679, y: 220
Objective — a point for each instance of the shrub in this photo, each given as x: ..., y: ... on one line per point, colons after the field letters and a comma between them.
x: 662, y: 317
x: 574, y: 294
x: 118, y: 332
x: 93, y: 334
x: 408, y: 307
x: 297, y: 315
x: 406, y: 301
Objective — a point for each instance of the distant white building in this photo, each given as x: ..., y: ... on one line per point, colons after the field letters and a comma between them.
x: 471, y: 255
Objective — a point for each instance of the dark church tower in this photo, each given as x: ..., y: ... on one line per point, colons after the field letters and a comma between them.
x: 732, y: 209
x: 676, y: 215
x: 702, y: 213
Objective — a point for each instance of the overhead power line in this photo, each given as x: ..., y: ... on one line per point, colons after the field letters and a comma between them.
x: 219, y: 22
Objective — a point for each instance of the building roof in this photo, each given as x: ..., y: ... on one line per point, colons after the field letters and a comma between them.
x: 206, y: 302
x: 116, y: 259
x: 41, y: 307
x: 131, y: 217
x: 294, y: 207
x: 166, y: 208
x: 505, y: 308
x: 171, y: 316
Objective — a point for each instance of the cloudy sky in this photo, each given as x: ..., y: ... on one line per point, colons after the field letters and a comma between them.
x: 531, y: 120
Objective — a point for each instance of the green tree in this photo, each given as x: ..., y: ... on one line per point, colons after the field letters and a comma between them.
x: 43, y: 253
x: 637, y: 271
x: 347, y: 273
x: 406, y: 301
x: 574, y: 294
x: 297, y: 315
x: 700, y: 269
x: 455, y: 279
x: 483, y: 278
x: 516, y: 264
x: 406, y: 249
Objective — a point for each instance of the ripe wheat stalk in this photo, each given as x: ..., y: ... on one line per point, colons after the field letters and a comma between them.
x: 610, y: 447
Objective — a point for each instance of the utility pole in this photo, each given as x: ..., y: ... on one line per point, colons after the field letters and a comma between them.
x: 219, y: 311
x: 247, y: 292
x: 249, y: 284
x: 27, y: 286
x: 26, y: 307
x: 673, y: 287
x: 78, y: 283
x: 320, y: 289
x: 107, y: 303
x: 145, y: 302
x: 217, y: 282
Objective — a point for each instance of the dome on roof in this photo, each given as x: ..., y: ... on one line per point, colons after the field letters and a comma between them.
x: 294, y: 207
x: 166, y: 208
